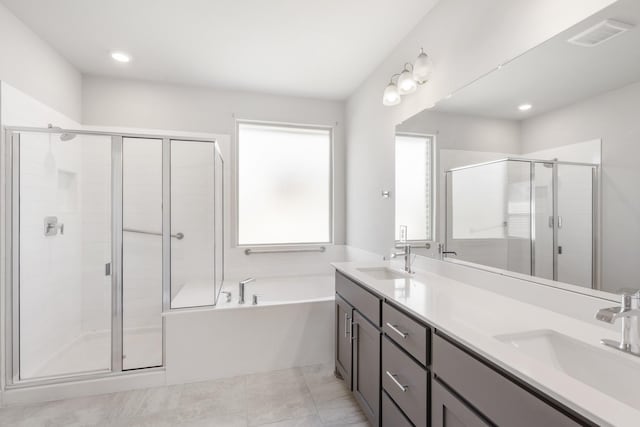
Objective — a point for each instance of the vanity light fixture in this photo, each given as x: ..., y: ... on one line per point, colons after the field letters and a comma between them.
x: 409, y: 79
x: 525, y: 107
x: 406, y: 83
x: 391, y: 95
x: 120, y: 57
x: 422, y: 68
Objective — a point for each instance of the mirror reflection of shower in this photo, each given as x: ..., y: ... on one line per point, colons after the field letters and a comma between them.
x: 534, y: 217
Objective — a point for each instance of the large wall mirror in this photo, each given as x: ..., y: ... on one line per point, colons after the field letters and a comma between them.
x: 534, y: 169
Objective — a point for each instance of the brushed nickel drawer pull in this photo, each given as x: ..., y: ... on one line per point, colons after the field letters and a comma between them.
x: 404, y: 388
x: 346, y: 325
x: 404, y: 335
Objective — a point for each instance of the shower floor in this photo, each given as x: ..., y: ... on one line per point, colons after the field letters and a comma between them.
x: 92, y: 352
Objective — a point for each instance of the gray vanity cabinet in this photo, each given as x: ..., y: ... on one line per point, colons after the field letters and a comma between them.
x: 391, y: 414
x: 344, y: 318
x: 500, y: 399
x: 358, y: 316
x: 366, y: 367
x: 448, y: 411
x: 404, y: 372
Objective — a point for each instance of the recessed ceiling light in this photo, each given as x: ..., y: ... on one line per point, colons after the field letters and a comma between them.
x: 524, y: 107
x: 120, y: 57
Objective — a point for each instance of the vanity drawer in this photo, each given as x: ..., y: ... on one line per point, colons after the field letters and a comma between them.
x: 362, y: 300
x: 405, y: 381
x: 391, y: 415
x: 506, y: 404
x: 412, y: 336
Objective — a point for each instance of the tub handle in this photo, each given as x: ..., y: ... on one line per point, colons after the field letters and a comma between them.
x: 227, y: 295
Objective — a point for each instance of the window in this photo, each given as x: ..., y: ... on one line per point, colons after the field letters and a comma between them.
x: 414, y: 192
x: 284, y: 184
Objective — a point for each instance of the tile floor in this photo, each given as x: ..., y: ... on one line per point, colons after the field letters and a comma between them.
x: 308, y: 396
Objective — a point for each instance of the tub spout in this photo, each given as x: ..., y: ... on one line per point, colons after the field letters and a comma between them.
x: 241, y: 286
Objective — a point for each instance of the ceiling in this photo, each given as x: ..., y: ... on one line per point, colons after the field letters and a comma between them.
x: 556, y: 73
x: 321, y: 49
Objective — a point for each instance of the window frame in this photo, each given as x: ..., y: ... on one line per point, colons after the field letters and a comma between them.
x: 434, y: 184
x: 236, y: 185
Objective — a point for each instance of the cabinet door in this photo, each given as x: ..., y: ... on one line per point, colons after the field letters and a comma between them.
x: 448, y: 411
x: 344, y: 317
x: 366, y: 367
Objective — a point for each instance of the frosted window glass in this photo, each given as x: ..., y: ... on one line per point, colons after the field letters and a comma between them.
x: 413, y: 186
x: 284, y: 185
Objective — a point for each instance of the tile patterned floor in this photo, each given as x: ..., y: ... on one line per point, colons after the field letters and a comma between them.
x: 299, y: 397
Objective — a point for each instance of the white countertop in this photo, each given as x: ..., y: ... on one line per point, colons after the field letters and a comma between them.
x: 474, y: 316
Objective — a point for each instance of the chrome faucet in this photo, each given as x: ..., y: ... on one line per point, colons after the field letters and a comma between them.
x: 241, y: 286
x: 407, y: 257
x: 629, y: 313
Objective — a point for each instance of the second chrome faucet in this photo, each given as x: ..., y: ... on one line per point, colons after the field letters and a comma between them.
x: 629, y: 313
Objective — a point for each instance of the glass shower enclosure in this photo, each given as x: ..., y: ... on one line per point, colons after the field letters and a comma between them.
x: 106, y: 231
x: 533, y: 217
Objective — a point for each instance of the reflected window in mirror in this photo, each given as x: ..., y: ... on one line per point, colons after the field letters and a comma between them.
x: 414, y: 186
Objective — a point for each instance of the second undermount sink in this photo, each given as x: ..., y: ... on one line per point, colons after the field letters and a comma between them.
x: 383, y: 273
x: 606, y: 371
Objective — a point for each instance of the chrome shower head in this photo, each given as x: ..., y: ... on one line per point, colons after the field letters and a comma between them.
x: 64, y: 137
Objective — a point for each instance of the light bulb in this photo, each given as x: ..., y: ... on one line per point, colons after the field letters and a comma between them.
x: 406, y: 84
x: 525, y: 107
x: 422, y: 68
x: 391, y: 95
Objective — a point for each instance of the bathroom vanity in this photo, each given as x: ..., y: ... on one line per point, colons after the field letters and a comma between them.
x: 404, y: 368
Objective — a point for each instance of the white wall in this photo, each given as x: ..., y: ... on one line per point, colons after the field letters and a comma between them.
x: 466, y: 39
x: 611, y: 117
x: 31, y: 65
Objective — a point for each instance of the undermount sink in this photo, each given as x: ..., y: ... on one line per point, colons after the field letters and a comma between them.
x: 383, y: 273
x: 603, y: 370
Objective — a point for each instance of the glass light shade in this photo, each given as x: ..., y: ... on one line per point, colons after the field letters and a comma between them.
x: 391, y: 95
x: 422, y: 68
x: 406, y: 84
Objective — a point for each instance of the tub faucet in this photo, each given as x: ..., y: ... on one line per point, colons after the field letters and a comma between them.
x: 241, y: 286
x: 407, y: 257
x: 629, y: 313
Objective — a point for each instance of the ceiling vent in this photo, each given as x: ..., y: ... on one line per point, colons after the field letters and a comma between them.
x: 600, y: 33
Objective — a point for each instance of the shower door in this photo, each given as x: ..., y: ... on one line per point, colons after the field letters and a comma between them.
x: 62, y: 249
x: 142, y: 268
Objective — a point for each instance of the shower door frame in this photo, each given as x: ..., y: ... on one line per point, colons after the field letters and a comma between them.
x: 10, y: 165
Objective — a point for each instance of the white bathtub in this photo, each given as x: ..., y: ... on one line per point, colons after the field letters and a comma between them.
x: 292, y: 325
